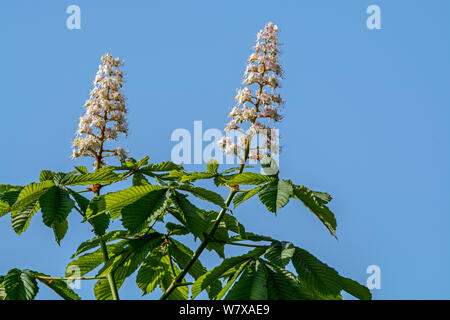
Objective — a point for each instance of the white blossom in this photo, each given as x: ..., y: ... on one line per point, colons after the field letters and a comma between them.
x: 258, y: 101
x: 105, y: 116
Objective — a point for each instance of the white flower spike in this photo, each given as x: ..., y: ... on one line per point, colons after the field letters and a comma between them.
x: 258, y: 101
x: 105, y: 116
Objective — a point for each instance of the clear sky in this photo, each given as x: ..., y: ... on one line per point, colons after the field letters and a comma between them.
x: 366, y: 119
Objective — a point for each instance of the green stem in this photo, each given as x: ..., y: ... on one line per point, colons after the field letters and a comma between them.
x: 109, y: 276
x: 68, y: 278
x: 241, y: 244
x: 208, y: 238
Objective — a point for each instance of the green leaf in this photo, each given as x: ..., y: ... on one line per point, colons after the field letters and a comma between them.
x: 195, y: 219
x: 30, y: 193
x: 180, y: 292
x: 208, y: 278
x: 60, y: 287
x: 252, y: 285
x: 322, y: 197
x: 139, y: 179
x: 60, y: 230
x: 245, y: 195
x: 204, y: 194
x: 99, y: 222
x: 8, y: 197
x: 315, y: 273
x: 150, y: 272
x: 4, y: 208
x: 280, y: 253
x: 81, y: 201
x: 55, y: 204
x: 124, y: 263
x: 316, y: 205
x: 46, y: 175
x: 162, y: 167
x: 104, y: 175
x: 282, y: 284
x: 20, y: 220
x: 235, y: 274
x: 276, y: 195
x: 20, y: 285
x: 90, y: 261
x: 114, y: 202
x: 102, y: 289
x: 269, y: 165
x: 252, y: 237
x: 138, y: 214
x: 247, y: 178
x: 82, y: 169
x: 183, y: 255
x: 8, y: 187
x: 212, y: 166
x: 355, y: 289
x: 176, y: 229
x: 95, y: 242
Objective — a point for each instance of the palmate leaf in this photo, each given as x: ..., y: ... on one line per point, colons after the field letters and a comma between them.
x: 114, y: 202
x: 60, y: 287
x: 8, y: 187
x: 46, y: 175
x: 162, y: 167
x: 95, y: 242
x: 4, y: 208
x: 104, y: 175
x: 8, y: 197
x: 204, y: 194
x: 280, y: 253
x: 60, y: 230
x: 20, y: 220
x: 245, y: 195
x: 247, y: 178
x: 212, y: 166
x: 139, y: 179
x: 176, y: 229
x: 263, y: 280
x: 324, y: 280
x: 166, y: 279
x: 137, y: 215
x: 125, y: 262
x: 182, y: 255
x: 236, y: 272
x: 252, y: 237
x: 282, y: 284
x: 315, y: 202
x: 252, y: 285
x: 315, y: 273
x: 102, y: 289
x: 194, y: 218
x: 355, y: 289
x: 158, y: 271
x: 20, y: 285
x: 99, y: 222
x: 213, y: 275
x: 89, y: 261
x: 30, y: 193
x: 150, y: 272
x: 276, y: 195
x: 55, y: 204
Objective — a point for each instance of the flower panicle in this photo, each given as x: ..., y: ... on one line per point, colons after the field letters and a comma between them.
x: 258, y: 104
x: 105, y: 116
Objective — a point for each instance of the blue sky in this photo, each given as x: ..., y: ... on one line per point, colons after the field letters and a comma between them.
x: 366, y: 119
